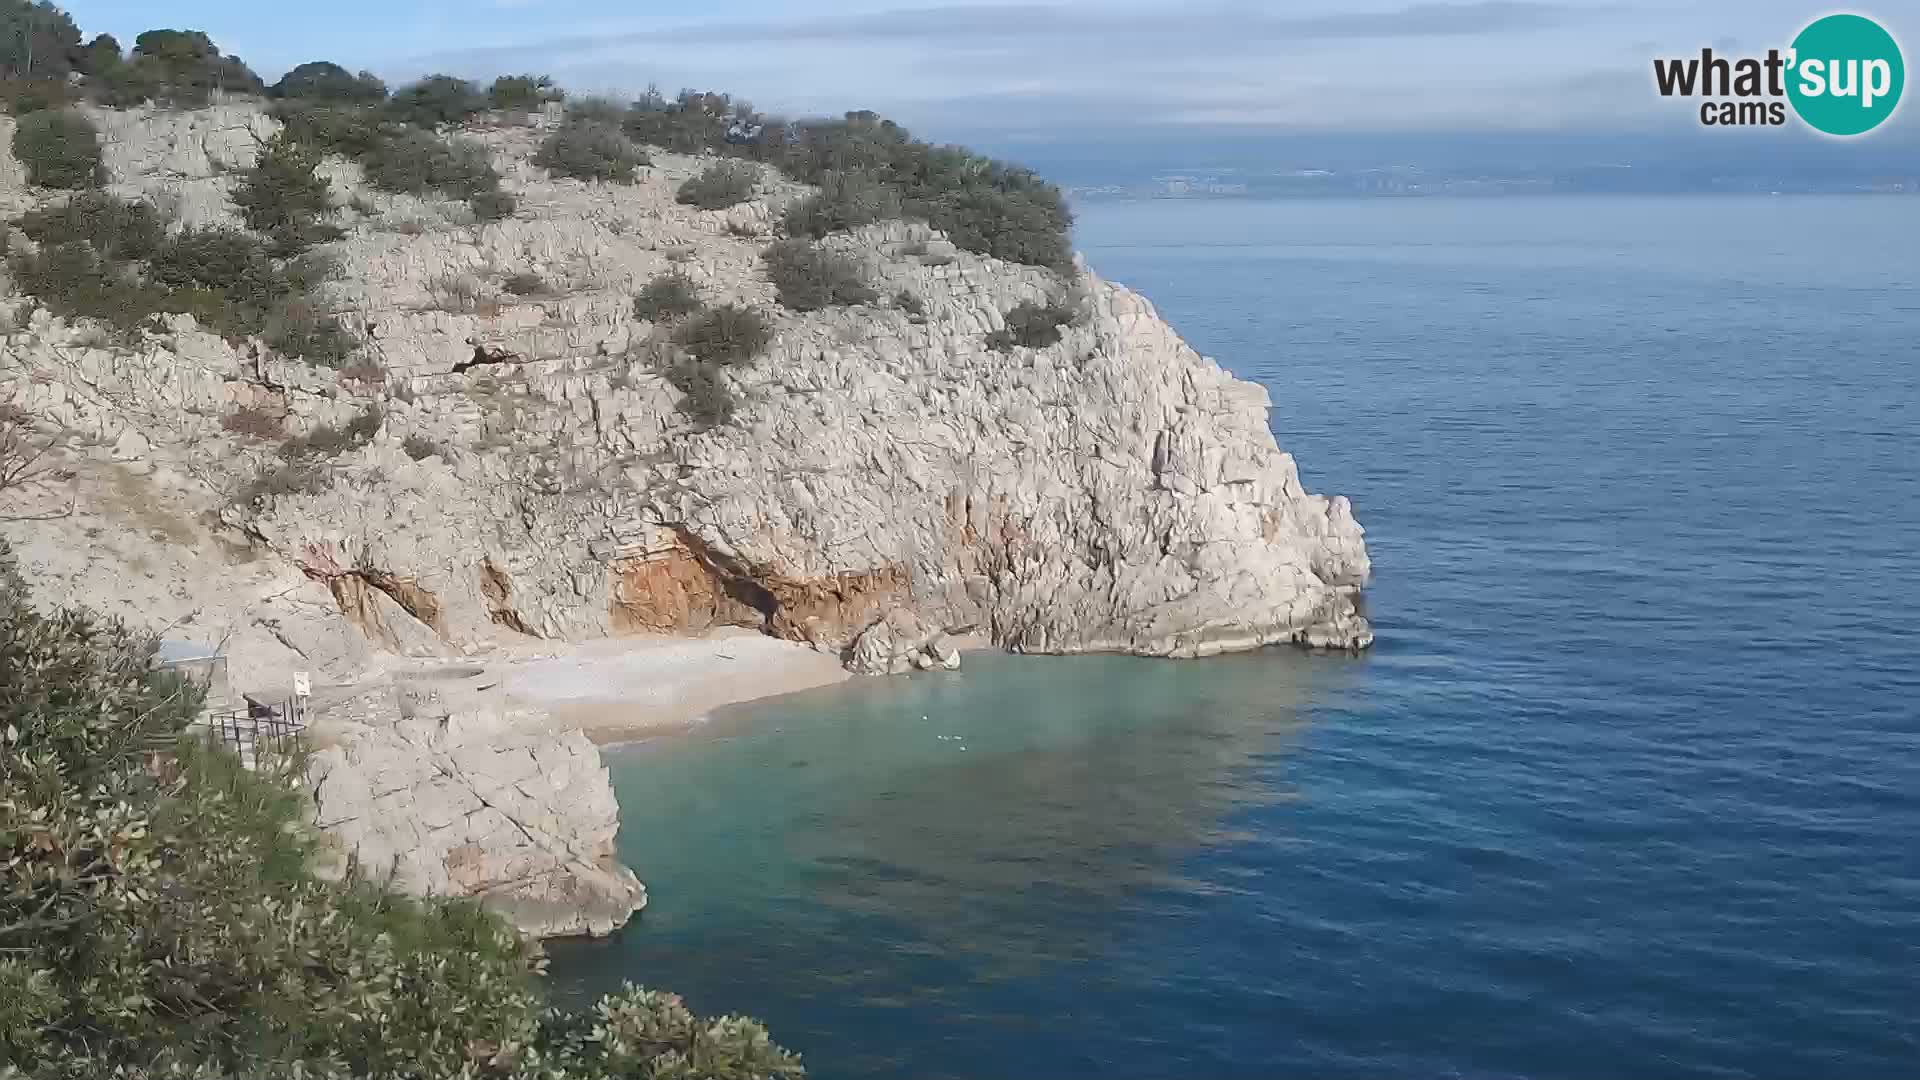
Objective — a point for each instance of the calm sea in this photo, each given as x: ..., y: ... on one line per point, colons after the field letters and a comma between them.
x: 1630, y: 787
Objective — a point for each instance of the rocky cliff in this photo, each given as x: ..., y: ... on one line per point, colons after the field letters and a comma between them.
x: 888, y: 479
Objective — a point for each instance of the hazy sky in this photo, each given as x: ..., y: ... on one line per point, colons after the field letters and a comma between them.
x: 1369, y: 64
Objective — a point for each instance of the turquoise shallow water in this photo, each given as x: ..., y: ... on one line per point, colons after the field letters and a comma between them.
x: 1629, y: 787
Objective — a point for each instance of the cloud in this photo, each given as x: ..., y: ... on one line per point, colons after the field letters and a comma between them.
x: 1033, y: 64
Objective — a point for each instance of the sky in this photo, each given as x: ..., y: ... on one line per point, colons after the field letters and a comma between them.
x: 1365, y: 65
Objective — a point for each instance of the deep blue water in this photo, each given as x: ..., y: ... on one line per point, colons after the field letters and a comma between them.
x: 1630, y: 786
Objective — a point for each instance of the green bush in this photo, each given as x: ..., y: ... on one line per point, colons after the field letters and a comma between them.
x: 183, y: 68
x: 283, y: 197
x: 706, y: 396
x: 73, y: 281
x: 60, y: 148
x: 693, y: 122
x: 909, y: 303
x: 213, y: 257
x: 160, y: 917
x: 589, y: 150
x: 37, y: 39
x: 525, y: 283
x: 298, y: 329
x: 1031, y: 325
x: 725, y: 335
x: 845, y: 201
x: 113, y: 227
x: 603, y: 110
x: 436, y: 100
x: 810, y: 278
x: 493, y: 205
x: 328, y: 81
x: 523, y: 93
x: 667, y: 297
x: 21, y: 96
x: 344, y: 129
x: 415, y: 162
x: 329, y: 441
x: 720, y: 185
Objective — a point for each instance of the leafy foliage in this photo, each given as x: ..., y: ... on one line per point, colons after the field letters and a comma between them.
x: 1031, y: 325
x: 330, y: 127
x: 60, y: 148
x: 523, y: 93
x: 810, y: 277
x: 181, y: 69
x: 725, y: 335
x: 37, y: 40
x: 590, y: 150
x: 112, y: 226
x: 667, y: 297
x: 845, y: 201
x: 436, y: 100
x: 328, y: 81
x: 720, y: 185
x: 283, y: 198
x: 22, y: 96
x: 158, y: 916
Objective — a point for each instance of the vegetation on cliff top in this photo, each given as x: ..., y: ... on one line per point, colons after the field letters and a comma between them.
x: 869, y: 168
x: 159, y: 915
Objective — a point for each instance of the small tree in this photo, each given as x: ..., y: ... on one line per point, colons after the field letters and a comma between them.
x: 436, y: 100
x: 720, y: 185
x: 60, y: 149
x: 589, y: 150
x: 115, y: 228
x: 811, y: 278
x: 725, y: 335
x: 522, y: 93
x: 283, y: 197
x: 845, y: 201
x: 1031, y: 325
x: 328, y: 81
x: 667, y: 297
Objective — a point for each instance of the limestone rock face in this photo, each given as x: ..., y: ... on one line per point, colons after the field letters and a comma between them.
x: 534, y: 476
x: 474, y: 801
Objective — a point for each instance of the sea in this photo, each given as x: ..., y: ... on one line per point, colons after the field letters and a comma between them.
x: 1628, y: 788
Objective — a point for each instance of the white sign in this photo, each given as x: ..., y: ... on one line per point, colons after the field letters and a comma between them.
x: 302, y: 684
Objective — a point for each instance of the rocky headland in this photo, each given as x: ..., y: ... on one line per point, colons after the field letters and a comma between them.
x: 507, y: 470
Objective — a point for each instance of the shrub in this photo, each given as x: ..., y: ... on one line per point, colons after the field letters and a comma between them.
x: 419, y: 448
x: 601, y: 109
x: 1031, y: 325
x: 589, y: 150
x: 60, y: 148
x: 705, y: 393
x: 297, y: 329
x: 910, y: 303
x: 115, y: 228
x: 810, y: 278
x: 523, y: 93
x: 282, y: 197
x: 725, y: 335
x: 214, y: 257
x: 667, y: 297
x: 436, y: 100
x: 720, y: 185
x: 73, y: 281
x: 21, y: 96
x: 493, y: 205
x: 524, y: 284
x: 254, y: 423
x: 417, y: 162
x: 329, y: 441
x: 845, y: 201
x: 348, y: 130
x: 328, y: 81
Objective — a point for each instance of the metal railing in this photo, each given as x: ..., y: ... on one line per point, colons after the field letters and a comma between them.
x: 273, y: 729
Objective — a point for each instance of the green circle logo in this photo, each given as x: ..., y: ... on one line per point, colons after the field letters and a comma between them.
x: 1846, y: 75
